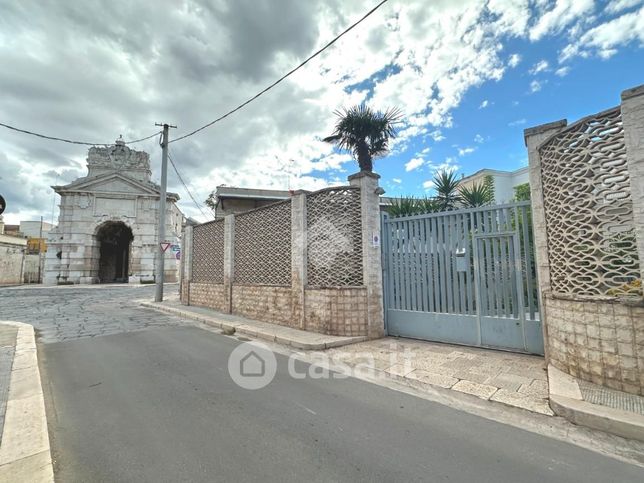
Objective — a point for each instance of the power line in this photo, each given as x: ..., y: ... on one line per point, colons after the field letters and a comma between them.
x: 186, y: 186
x: 283, y: 77
x: 53, y: 138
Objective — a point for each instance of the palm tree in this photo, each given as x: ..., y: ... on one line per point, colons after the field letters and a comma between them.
x: 479, y: 194
x: 365, y: 133
x: 446, y: 186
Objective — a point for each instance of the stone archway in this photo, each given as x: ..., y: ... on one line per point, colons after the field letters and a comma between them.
x: 114, y: 241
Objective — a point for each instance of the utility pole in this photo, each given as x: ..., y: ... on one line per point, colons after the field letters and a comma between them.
x: 160, y: 275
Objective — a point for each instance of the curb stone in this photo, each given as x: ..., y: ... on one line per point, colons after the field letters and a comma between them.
x: 244, y: 326
x: 25, y: 452
x: 566, y: 401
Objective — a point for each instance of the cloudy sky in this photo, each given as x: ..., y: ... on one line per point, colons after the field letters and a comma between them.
x: 469, y: 76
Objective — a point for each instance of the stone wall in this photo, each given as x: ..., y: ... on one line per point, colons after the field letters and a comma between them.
x: 209, y: 295
x: 264, y: 302
x: 325, y: 277
x: 598, y: 341
x: 336, y: 311
x: 12, y: 254
x: 593, y: 326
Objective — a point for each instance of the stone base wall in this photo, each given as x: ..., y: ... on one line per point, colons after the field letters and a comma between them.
x: 209, y: 295
x: 336, y: 311
x: 332, y: 311
x: 264, y: 302
x: 600, y: 342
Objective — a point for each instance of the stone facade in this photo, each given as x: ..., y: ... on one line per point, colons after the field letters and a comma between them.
x: 115, y: 199
x: 12, y: 258
x: 342, y: 307
x: 597, y: 338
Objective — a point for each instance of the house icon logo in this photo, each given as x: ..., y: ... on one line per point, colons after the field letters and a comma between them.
x: 252, y: 365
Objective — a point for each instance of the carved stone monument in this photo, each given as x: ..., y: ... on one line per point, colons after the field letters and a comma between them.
x: 107, y: 226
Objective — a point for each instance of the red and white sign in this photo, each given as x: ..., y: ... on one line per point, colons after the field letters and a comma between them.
x: 165, y: 246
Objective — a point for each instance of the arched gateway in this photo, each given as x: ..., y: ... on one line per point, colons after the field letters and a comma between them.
x: 107, y: 227
x: 115, y: 242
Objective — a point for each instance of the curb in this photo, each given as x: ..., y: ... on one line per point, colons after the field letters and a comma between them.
x: 566, y: 401
x: 25, y: 452
x: 244, y: 328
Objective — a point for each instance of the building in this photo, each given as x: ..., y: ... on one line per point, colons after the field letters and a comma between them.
x: 107, y: 227
x: 230, y: 200
x: 12, y: 257
x: 35, y: 229
x: 504, y: 182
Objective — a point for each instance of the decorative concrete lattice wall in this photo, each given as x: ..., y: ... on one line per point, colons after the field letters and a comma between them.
x: 334, y: 238
x: 208, y: 252
x: 263, y: 246
x: 588, y: 209
x: 586, y: 183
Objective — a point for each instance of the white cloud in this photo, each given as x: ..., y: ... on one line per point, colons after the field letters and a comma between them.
x: 429, y: 184
x: 484, y: 104
x: 465, y: 151
x: 425, y: 57
x: 535, y: 86
x: 437, y: 135
x: 478, y: 139
x: 414, y: 163
x: 514, y: 60
x: 616, y: 6
x: 518, y: 122
x: 540, y: 66
x: 604, y: 39
x: 396, y: 180
x: 564, y: 12
x: 562, y: 71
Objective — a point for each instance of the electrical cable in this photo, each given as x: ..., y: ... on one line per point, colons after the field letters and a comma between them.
x: 292, y: 71
x: 53, y: 138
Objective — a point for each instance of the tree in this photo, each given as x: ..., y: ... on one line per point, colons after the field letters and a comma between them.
x: 446, y: 186
x: 477, y: 195
x: 211, y: 201
x: 365, y: 133
x: 522, y: 192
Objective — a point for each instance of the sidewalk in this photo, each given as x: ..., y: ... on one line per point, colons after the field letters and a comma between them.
x: 512, y: 379
x: 24, y: 448
x: 596, y: 407
x: 298, y: 339
x: 8, y: 335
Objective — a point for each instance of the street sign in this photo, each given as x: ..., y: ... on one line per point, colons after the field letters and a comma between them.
x: 3, y: 204
x: 165, y: 246
x: 176, y: 248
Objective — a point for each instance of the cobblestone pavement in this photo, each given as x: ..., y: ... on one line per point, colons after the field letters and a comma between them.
x: 71, y: 312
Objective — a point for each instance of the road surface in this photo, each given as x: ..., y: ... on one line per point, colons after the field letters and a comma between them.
x: 137, y: 396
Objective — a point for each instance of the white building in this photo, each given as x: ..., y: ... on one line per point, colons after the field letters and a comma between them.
x: 504, y: 182
x: 107, y: 227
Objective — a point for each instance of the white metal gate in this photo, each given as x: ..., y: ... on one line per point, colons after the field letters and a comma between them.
x: 463, y: 276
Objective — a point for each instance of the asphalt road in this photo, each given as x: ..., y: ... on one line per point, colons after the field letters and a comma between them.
x: 133, y: 395
x: 159, y: 405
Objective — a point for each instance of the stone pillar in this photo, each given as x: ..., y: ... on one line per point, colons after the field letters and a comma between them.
x: 633, y: 120
x: 371, y: 255
x: 186, y: 264
x: 533, y: 138
x: 298, y: 257
x: 229, y: 261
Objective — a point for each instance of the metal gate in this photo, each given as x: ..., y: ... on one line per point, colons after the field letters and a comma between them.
x: 463, y: 276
